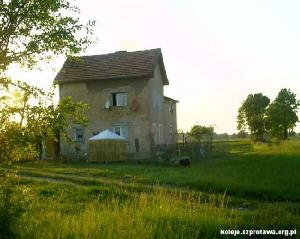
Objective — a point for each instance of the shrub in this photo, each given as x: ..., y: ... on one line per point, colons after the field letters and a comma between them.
x: 25, y: 153
x: 13, y: 200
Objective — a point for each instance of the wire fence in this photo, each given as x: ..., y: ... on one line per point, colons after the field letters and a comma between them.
x: 197, y: 151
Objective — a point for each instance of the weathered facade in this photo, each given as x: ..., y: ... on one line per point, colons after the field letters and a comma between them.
x: 125, y: 94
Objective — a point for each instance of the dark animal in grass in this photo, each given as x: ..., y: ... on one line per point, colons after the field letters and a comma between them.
x: 184, y: 161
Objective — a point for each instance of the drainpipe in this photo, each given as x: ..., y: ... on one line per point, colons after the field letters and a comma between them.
x: 171, y: 103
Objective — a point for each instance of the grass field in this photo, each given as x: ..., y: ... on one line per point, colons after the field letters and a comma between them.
x: 251, y: 186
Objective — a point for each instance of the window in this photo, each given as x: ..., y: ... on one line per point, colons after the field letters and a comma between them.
x: 117, y: 130
x: 122, y: 131
x: 78, y: 135
x: 161, y: 133
x: 154, y: 132
x: 171, y: 129
x: 158, y: 131
x: 119, y: 99
x: 171, y: 106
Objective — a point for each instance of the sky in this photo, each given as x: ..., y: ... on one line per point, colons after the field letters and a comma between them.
x: 215, y: 52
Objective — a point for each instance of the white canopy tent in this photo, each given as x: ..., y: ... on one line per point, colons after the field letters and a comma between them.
x: 107, y: 135
x: 107, y: 146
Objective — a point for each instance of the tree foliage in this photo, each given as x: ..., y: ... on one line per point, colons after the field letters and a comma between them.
x: 29, y: 117
x: 252, y: 115
x: 31, y: 31
x: 282, y: 113
x: 198, y: 131
x: 277, y: 118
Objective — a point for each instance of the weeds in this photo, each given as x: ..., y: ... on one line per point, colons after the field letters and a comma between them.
x: 247, y: 190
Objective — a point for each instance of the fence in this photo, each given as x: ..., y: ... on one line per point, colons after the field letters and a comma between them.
x: 201, y: 150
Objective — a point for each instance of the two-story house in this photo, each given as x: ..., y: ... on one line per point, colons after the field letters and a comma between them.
x: 125, y: 93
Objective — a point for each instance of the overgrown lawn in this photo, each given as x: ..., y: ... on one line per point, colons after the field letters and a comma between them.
x: 256, y: 187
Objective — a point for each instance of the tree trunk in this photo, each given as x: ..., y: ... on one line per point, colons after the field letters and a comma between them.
x: 39, y: 148
x: 285, y: 131
x: 285, y: 128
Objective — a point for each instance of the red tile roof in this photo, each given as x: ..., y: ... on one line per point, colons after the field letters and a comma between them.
x: 118, y: 65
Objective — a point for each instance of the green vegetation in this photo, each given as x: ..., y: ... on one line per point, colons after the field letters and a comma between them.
x: 252, y: 114
x: 252, y: 186
x: 282, y: 113
x: 278, y: 119
x: 35, y: 31
x: 32, y: 32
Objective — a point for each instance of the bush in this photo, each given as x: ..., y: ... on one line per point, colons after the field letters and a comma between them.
x: 15, y: 145
x: 25, y: 153
x: 12, y: 205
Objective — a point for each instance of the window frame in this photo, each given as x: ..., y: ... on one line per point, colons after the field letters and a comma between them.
x: 123, y: 129
x: 76, y: 138
x: 161, y: 133
x: 155, y: 133
x: 116, y: 101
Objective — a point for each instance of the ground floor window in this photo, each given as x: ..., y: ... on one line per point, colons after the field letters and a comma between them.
x: 154, y: 133
x: 121, y: 130
x: 158, y: 133
x: 78, y: 135
x: 161, y: 133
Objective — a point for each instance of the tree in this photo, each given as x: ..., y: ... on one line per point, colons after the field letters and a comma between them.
x: 198, y: 131
x: 252, y: 115
x: 242, y: 134
x: 31, y: 31
x: 25, y: 126
x: 282, y: 113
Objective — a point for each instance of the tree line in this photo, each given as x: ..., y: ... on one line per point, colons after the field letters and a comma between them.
x: 262, y: 117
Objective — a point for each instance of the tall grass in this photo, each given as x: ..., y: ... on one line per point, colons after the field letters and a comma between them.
x: 126, y: 200
x: 160, y: 214
x: 279, y: 148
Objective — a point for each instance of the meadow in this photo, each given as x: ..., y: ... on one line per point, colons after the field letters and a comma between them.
x: 250, y: 186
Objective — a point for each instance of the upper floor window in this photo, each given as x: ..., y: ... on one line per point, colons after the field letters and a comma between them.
x: 119, y: 99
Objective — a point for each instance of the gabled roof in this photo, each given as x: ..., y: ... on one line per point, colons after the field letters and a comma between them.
x: 118, y: 65
x: 107, y: 135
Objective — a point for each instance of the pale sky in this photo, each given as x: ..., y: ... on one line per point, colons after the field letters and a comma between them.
x: 215, y: 52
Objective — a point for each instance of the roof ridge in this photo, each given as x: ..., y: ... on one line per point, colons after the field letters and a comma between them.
x: 120, y: 52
